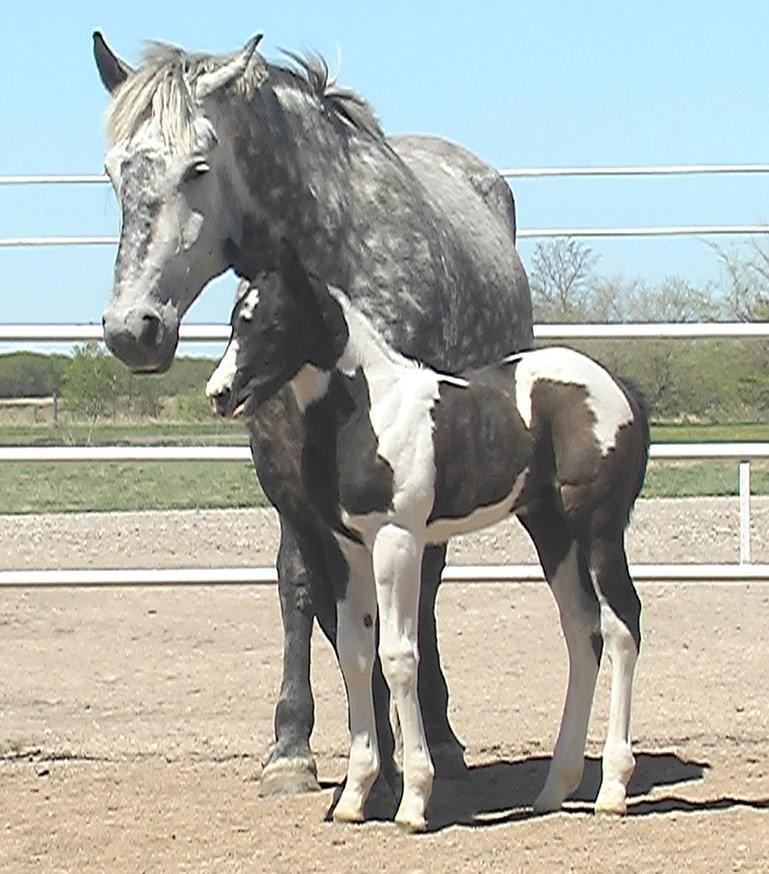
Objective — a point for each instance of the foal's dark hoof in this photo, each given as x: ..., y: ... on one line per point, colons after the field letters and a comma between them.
x: 289, y: 777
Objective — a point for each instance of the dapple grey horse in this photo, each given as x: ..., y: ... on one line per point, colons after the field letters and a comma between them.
x: 210, y: 158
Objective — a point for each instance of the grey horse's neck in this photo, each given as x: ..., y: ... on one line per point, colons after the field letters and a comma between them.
x: 303, y: 168
x: 366, y: 347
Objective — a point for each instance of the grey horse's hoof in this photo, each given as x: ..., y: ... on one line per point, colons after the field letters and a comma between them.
x: 289, y: 777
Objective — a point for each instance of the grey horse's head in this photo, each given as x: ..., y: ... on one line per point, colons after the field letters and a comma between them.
x: 281, y: 322
x: 173, y: 181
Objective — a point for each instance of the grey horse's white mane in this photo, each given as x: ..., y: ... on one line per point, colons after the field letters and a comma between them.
x: 164, y: 83
x: 347, y: 104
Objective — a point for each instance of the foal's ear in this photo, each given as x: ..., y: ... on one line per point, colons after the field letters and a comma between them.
x: 112, y: 70
x: 292, y: 272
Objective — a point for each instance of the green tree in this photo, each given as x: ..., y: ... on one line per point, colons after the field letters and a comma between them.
x: 30, y: 374
x: 92, y: 382
x: 144, y: 393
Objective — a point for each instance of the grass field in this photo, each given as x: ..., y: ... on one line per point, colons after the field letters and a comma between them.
x: 42, y: 487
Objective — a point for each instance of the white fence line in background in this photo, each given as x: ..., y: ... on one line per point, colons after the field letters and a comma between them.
x: 658, y: 231
x: 210, y: 333
x: 523, y: 234
x: 744, y: 452
x: 508, y: 173
x: 742, y: 572
x: 56, y: 179
x: 267, y: 576
x: 653, y: 170
x: 241, y: 453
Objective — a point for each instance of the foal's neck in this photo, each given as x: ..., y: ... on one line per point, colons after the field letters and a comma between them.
x: 366, y: 352
x: 367, y: 348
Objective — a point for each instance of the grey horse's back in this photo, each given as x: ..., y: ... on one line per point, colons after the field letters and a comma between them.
x: 479, y: 205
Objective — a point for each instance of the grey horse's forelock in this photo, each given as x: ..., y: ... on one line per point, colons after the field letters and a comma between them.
x: 164, y: 83
x: 163, y: 87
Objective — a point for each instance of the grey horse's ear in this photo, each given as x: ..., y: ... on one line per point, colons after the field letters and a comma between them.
x: 228, y: 72
x: 112, y: 70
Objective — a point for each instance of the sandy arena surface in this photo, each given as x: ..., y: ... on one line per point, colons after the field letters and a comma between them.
x: 133, y: 721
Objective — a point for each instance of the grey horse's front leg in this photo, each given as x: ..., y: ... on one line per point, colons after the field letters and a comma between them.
x: 310, y: 570
x: 446, y: 749
x: 291, y: 766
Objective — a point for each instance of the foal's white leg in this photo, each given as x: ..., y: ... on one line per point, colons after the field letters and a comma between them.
x: 397, y: 563
x: 618, y: 759
x: 579, y: 620
x: 356, y: 623
x: 620, y: 626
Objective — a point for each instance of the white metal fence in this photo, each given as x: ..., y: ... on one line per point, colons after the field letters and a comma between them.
x: 742, y: 570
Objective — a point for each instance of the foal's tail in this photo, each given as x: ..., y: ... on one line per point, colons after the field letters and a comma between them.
x: 640, y: 409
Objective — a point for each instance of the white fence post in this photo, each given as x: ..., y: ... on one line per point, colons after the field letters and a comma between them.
x: 744, y: 490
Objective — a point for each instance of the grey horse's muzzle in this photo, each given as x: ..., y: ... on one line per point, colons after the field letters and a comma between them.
x: 142, y: 337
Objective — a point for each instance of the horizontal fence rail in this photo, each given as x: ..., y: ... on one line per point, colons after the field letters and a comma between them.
x: 523, y: 234
x: 57, y: 454
x: 267, y: 576
x: 741, y: 572
x: 211, y: 333
x: 651, y: 170
x: 507, y: 172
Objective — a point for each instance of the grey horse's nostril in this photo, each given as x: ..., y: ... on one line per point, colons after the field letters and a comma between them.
x: 150, y: 329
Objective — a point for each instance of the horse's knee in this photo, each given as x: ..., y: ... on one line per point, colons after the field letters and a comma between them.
x: 400, y: 662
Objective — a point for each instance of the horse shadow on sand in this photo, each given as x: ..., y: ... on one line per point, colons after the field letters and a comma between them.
x: 502, y: 792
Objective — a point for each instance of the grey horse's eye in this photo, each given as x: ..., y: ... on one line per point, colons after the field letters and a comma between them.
x: 196, y: 170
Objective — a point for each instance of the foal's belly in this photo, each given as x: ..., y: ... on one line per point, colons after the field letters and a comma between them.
x: 442, y: 528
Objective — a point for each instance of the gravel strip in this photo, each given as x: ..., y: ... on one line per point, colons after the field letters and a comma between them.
x: 663, y: 530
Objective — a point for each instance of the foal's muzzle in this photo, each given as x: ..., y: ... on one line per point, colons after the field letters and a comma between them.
x: 227, y: 400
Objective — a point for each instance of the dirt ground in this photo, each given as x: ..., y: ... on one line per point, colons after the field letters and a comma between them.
x: 133, y: 721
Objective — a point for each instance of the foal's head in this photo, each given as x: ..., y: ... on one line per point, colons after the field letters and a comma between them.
x: 282, y: 322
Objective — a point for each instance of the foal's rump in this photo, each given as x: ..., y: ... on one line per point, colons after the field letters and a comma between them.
x: 590, y: 430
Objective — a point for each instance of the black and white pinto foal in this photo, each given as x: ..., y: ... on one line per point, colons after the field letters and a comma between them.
x: 397, y: 456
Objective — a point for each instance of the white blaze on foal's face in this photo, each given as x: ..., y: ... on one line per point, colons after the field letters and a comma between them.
x: 267, y: 347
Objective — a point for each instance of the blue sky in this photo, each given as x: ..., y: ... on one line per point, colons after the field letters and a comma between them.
x: 522, y: 84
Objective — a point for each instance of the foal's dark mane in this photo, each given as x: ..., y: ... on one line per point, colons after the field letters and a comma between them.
x: 163, y: 85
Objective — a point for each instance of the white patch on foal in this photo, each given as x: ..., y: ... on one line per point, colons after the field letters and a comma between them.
x: 223, y: 378
x: 606, y: 400
x: 441, y: 530
x: 250, y: 303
